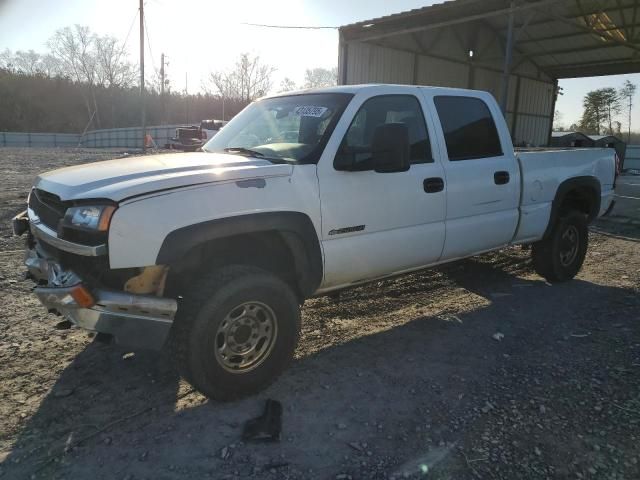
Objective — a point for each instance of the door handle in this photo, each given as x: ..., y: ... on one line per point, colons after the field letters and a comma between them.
x: 501, y: 178
x: 433, y: 184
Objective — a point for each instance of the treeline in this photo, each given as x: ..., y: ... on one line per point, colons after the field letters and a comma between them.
x: 37, y: 103
x: 86, y: 81
x: 602, y: 111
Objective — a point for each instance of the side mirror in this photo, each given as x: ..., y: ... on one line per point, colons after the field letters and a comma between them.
x: 390, y: 148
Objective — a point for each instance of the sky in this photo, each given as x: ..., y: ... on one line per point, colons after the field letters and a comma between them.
x: 200, y: 36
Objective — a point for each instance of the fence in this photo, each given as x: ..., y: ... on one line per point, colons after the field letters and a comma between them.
x: 127, y: 137
x: 18, y: 139
x: 107, y: 138
x: 632, y: 158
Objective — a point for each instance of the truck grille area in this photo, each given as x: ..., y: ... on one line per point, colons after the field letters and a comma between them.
x: 95, y: 271
x: 48, y: 207
x: 51, y: 210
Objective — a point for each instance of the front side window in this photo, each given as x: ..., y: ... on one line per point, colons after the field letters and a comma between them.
x: 380, y: 110
x: 291, y: 128
x: 469, y: 129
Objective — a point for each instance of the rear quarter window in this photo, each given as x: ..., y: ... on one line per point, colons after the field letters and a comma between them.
x: 469, y: 128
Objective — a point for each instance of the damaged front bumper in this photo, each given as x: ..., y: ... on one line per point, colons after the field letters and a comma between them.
x: 134, y: 321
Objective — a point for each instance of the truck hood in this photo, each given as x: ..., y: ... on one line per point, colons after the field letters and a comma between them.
x: 128, y: 177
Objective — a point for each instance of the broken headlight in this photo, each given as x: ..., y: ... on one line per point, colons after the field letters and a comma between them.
x: 90, y: 217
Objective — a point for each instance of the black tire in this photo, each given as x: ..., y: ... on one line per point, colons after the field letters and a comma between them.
x: 209, y: 309
x: 556, y: 258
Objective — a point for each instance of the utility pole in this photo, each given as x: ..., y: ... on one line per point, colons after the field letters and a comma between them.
x: 142, y: 92
x: 508, y: 56
x: 186, y: 93
x: 162, y: 101
x: 162, y: 74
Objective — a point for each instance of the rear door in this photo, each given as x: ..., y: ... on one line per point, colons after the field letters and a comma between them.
x: 482, y: 174
x: 376, y: 224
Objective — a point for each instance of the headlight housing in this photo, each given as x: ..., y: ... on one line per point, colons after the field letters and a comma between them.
x: 89, y: 217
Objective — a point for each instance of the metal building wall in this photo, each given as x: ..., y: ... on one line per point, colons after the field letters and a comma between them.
x: 373, y: 64
x: 530, y: 102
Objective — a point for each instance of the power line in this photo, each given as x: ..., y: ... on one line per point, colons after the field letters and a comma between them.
x: 296, y: 27
x: 146, y: 31
x: 124, y: 44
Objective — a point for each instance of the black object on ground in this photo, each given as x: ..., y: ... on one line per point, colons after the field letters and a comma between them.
x: 63, y: 325
x: 266, y: 427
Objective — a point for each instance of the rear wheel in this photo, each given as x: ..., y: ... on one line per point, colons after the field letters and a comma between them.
x: 559, y: 257
x: 236, y: 332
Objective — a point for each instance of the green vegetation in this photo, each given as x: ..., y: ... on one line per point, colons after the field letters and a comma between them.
x: 601, y: 110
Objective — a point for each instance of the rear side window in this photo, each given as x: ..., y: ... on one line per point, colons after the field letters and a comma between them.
x: 387, y: 109
x: 469, y: 129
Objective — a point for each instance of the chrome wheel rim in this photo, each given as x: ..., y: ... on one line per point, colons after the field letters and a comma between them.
x: 245, y: 337
x: 569, y: 243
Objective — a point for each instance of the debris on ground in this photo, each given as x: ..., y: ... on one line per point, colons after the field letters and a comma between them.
x: 63, y: 325
x: 267, y: 427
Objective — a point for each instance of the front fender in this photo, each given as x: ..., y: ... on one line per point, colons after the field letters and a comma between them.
x: 141, y: 226
x: 295, y: 228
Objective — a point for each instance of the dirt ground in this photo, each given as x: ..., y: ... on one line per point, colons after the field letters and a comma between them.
x: 400, y: 379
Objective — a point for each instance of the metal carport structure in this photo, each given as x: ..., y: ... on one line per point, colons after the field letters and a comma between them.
x: 571, y: 139
x: 611, y: 141
x: 517, y: 50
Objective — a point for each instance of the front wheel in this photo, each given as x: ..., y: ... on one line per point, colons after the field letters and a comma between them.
x: 236, y: 332
x: 559, y: 257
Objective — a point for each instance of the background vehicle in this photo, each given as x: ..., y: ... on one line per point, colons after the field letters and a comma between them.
x: 210, y: 128
x: 299, y: 195
x: 188, y: 139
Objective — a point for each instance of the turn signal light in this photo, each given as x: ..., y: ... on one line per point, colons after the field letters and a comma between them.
x: 82, y: 296
x: 105, y: 218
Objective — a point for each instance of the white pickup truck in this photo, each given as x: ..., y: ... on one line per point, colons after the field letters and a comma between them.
x: 301, y: 194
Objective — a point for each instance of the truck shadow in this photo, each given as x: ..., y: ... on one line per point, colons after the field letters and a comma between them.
x: 401, y: 390
x: 623, y: 229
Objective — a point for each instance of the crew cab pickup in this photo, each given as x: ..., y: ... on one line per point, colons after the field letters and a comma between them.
x: 300, y: 195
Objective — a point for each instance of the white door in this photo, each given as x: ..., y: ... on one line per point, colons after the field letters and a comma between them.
x: 375, y: 224
x: 482, y: 175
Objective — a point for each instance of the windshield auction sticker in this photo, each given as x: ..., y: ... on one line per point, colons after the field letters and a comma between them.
x: 310, y: 111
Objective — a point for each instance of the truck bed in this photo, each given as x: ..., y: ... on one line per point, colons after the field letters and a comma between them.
x: 543, y: 170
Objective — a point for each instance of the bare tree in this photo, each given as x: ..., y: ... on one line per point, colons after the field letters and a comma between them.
x: 320, y: 77
x: 6, y: 59
x: 627, y: 92
x: 557, y: 121
x: 112, y: 66
x: 286, y: 85
x: 50, y: 66
x: 27, y: 63
x: 248, y: 80
x: 75, y: 49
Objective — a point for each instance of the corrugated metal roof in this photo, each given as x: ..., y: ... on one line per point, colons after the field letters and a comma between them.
x: 597, y: 138
x: 404, y: 14
x: 563, y: 134
x: 563, y: 38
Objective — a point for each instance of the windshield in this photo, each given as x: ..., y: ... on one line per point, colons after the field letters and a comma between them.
x: 293, y: 128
